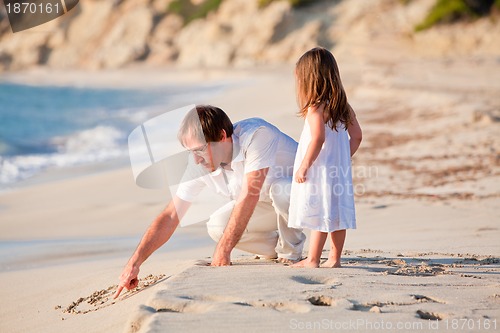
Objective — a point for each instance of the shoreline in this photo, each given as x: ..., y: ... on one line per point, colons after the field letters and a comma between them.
x: 215, y: 83
x: 57, y: 174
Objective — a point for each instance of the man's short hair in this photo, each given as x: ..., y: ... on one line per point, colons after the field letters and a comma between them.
x: 205, y: 123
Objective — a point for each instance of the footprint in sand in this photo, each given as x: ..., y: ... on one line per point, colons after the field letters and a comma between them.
x: 411, y: 269
x: 321, y: 300
x: 312, y: 280
x: 368, y: 307
x: 426, y: 299
x: 103, y: 298
x: 377, y: 306
x: 290, y: 307
x: 208, y: 303
x: 430, y: 315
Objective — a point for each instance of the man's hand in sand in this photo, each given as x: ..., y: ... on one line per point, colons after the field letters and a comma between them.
x: 128, y: 279
x: 221, y: 259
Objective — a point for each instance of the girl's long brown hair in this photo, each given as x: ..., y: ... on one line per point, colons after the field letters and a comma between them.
x: 318, y: 81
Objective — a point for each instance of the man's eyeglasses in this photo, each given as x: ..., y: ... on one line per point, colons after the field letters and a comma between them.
x: 199, y: 150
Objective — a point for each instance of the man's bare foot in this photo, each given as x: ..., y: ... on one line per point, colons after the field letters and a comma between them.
x: 331, y: 264
x: 306, y: 263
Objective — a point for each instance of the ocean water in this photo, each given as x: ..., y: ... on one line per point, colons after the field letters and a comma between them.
x: 45, y: 127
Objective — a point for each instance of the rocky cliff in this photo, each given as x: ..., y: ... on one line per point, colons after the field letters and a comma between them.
x: 112, y: 34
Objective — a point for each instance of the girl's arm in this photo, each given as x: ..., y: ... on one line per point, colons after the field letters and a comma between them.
x: 317, y: 127
x: 355, y: 133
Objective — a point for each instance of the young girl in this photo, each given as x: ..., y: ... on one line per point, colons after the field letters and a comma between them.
x: 322, y: 197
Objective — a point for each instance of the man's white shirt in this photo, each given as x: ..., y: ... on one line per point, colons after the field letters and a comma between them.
x: 257, y: 145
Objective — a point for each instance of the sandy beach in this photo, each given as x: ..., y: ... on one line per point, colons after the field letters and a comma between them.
x: 425, y: 254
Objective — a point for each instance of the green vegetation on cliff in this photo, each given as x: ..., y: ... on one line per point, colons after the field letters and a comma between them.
x: 450, y: 11
x: 294, y: 3
x: 189, y: 12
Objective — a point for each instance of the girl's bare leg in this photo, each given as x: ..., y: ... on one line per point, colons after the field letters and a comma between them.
x: 317, y: 240
x: 337, y: 239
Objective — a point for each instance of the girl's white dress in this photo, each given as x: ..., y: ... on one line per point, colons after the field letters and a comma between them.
x: 325, y: 201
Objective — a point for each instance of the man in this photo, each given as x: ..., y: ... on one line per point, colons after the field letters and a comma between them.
x: 250, y: 162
